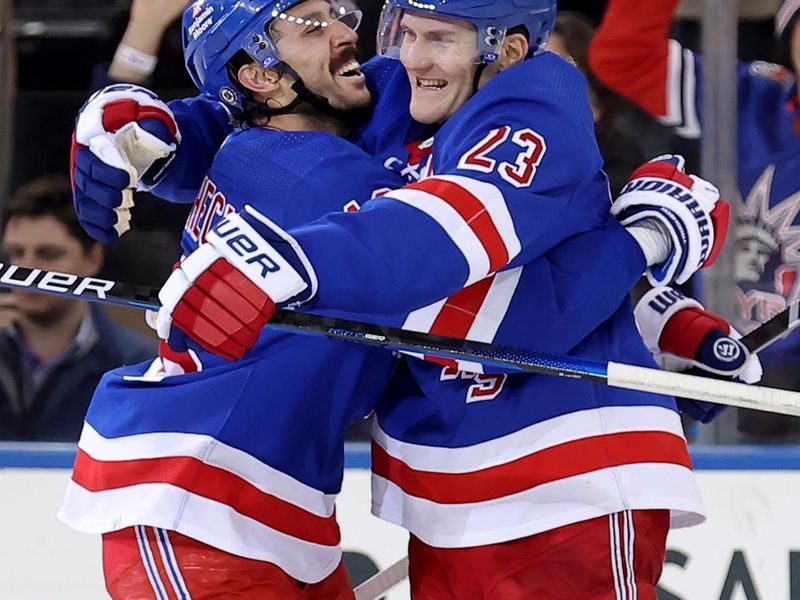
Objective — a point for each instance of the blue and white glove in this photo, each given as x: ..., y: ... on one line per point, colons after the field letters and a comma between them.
x: 681, y: 335
x: 227, y: 290
x: 124, y: 140
x: 679, y: 220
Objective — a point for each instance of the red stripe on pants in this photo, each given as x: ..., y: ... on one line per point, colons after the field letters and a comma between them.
x: 210, y: 573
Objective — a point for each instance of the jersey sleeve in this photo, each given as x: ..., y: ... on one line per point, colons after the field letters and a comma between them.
x: 533, y: 164
x: 632, y: 54
x: 587, y: 278
x: 204, y: 125
x: 515, y: 178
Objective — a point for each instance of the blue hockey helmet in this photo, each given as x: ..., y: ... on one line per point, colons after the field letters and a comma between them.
x: 492, y: 18
x: 214, y: 31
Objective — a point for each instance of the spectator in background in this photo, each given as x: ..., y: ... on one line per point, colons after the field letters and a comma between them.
x: 621, y: 152
x: 53, y: 350
x: 149, y: 35
x: 632, y: 54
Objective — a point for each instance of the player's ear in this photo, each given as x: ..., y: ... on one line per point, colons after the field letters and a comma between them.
x: 515, y: 49
x: 257, y: 79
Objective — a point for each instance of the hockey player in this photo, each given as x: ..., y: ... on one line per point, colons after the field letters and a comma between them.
x: 221, y: 483
x: 631, y: 53
x: 507, y: 482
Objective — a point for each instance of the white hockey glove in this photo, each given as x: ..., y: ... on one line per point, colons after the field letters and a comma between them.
x: 125, y: 139
x: 679, y: 220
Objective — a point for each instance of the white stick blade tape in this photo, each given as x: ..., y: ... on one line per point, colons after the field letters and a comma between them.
x: 704, y: 389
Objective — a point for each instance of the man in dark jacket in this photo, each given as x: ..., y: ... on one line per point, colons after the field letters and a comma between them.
x: 53, y: 350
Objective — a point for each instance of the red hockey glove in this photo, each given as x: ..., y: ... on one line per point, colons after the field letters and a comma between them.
x: 226, y: 291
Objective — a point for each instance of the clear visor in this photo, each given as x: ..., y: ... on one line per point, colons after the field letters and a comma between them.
x: 413, y: 36
x: 296, y: 29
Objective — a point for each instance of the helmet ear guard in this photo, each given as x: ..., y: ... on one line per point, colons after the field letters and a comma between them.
x: 490, y: 41
x: 215, y: 31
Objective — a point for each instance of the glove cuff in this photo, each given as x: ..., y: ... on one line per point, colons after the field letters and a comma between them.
x: 267, y: 255
x: 178, y: 362
x: 686, y: 330
x: 654, y: 311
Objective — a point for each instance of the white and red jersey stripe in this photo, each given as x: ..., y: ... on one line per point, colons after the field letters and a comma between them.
x: 475, y: 313
x: 475, y: 216
x: 207, y: 490
x: 560, y: 471
x: 785, y: 15
x: 681, y: 110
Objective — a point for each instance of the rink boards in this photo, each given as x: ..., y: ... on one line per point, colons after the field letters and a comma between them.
x: 748, y: 549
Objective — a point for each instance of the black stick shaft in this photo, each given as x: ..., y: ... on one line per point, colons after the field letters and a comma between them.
x: 112, y: 292
x: 95, y: 289
x: 771, y: 331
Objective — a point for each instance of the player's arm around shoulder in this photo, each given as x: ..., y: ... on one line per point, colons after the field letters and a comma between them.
x: 483, y: 200
x: 204, y: 125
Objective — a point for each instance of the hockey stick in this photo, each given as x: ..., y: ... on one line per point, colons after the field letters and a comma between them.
x: 380, y: 583
x: 771, y: 331
x: 510, y: 359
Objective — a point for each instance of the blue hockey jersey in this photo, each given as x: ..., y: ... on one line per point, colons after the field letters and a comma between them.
x: 460, y: 457
x: 503, y: 236
x: 245, y: 456
x: 767, y: 234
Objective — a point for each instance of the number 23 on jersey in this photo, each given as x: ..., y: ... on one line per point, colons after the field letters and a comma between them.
x: 519, y: 173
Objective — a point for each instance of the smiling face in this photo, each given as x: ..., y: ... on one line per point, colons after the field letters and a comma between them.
x: 320, y: 45
x: 440, y: 57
